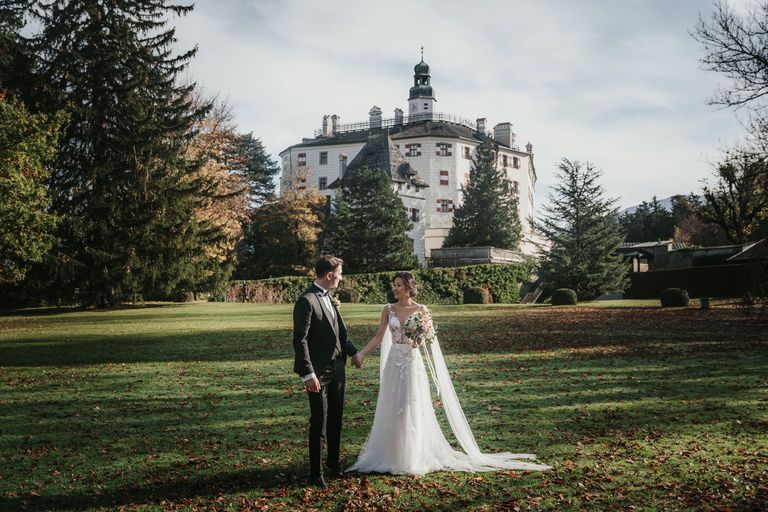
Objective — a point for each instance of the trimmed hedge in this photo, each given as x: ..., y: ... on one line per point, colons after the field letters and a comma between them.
x: 477, y: 295
x: 715, y: 281
x: 674, y: 298
x: 443, y: 285
x: 563, y: 297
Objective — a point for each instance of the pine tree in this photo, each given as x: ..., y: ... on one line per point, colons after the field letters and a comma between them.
x: 125, y: 190
x: 582, y: 229
x: 368, y: 226
x: 259, y: 169
x: 489, y: 214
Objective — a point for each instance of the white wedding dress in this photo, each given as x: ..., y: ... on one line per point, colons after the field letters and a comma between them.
x: 405, y: 437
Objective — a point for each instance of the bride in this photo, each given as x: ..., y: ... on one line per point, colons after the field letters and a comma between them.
x: 406, y: 437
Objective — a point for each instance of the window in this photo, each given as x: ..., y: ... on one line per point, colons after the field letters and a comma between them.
x: 302, y: 159
x: 322, y: 183
x: 443, y: 149
x: 515, y: 162
x: 467, y: 151
x: 426, y: 106
x: 414, y: 215
x: 516, y: 187
x: 413, y: 150
x: 323, y: 158
x: 444, y: 205
x: 443, y: 177
x: 504, y: 161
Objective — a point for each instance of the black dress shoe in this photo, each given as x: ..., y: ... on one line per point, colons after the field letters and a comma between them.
x: 319, y: 481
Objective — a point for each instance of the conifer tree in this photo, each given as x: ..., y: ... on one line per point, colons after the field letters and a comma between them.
x: 583, y: 232
x: 368, y: 225
x: 122, y: 184
x: 489, y: 214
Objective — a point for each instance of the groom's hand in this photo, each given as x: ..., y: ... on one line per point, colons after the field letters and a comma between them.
x: 312, y: 385
x: 357, y: 360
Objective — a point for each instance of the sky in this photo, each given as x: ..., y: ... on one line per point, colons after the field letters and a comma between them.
x: 617, y: 83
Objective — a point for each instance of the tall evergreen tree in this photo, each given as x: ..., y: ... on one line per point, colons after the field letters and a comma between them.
x: 489, y: 211
x: 582, y: 229
x: 259, y: 169
x: 368, y: 225
x: 122, y: 184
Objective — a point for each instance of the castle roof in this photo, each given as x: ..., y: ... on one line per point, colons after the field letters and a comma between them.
x: 380, y: 153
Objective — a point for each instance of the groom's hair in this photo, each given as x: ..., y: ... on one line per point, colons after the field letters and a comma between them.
x: 327, y: 263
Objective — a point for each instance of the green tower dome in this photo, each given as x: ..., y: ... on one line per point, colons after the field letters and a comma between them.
x: 421, y: 87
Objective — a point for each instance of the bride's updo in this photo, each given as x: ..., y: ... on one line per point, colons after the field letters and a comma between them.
x: 409, y: 281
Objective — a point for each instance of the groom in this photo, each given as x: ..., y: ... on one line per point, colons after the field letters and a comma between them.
x: 321, y: 348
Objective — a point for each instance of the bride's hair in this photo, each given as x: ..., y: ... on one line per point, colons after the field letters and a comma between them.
x: 409, y: 281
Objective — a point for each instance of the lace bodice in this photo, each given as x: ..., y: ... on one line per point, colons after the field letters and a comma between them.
x: 398, y: 334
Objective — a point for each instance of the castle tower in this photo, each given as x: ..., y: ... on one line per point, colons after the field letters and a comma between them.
x: 421, y: 99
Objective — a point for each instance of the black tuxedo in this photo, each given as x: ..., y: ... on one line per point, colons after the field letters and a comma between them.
x: 321, y: 347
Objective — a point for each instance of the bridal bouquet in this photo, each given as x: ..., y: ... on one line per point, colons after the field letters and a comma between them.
x: 420, y: 329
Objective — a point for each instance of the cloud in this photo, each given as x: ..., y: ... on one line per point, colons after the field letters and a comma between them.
x: 615, y: 83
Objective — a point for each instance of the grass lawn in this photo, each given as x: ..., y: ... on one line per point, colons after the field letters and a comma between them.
x: 195, y: 407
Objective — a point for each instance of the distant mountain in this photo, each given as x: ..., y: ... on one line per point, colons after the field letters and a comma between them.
x: 666, y: 203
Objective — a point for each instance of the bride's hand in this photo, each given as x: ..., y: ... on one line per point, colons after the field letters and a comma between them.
x: 357, y: 360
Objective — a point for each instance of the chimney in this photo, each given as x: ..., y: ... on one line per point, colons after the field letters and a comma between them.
x: 398, y: 116
x: 326, y: 132
x: 374, y: 117
x: 502, y: 133
x: 529, y: 148
x: 481, y: 124
x: 342, y: 165
x: 335, y: 124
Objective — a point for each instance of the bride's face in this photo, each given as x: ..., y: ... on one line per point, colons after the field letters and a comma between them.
x: 398, y: 288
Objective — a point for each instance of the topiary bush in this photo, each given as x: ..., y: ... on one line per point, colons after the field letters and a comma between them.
x: 564, y: 297
x: 477, y: 295
x: 348, y: 295
x: 674, y: 298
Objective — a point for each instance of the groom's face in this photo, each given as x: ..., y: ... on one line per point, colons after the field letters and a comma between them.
x: 334, y: 278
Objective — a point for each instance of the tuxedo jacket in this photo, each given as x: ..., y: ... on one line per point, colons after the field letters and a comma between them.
x: 316, y: 334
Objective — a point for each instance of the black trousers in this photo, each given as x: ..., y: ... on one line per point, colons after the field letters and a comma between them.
x: 326, y: 412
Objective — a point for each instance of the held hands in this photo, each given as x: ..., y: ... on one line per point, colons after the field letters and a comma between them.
x: 357, y: 360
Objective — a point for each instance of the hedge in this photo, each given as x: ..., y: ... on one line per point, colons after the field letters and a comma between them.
x: 443, y: 285
x: 712, y: 281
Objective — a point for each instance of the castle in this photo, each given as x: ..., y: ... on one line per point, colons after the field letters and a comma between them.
x: 427, y: 154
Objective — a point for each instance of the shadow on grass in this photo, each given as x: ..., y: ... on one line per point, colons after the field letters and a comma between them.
x: 62, y: 310
x: 175, y: 490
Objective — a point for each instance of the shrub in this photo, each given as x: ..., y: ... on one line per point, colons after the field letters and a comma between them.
x: 477, y: 295
x: 674, y: 298
x: 348, y: 295
x: 564, y: 297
